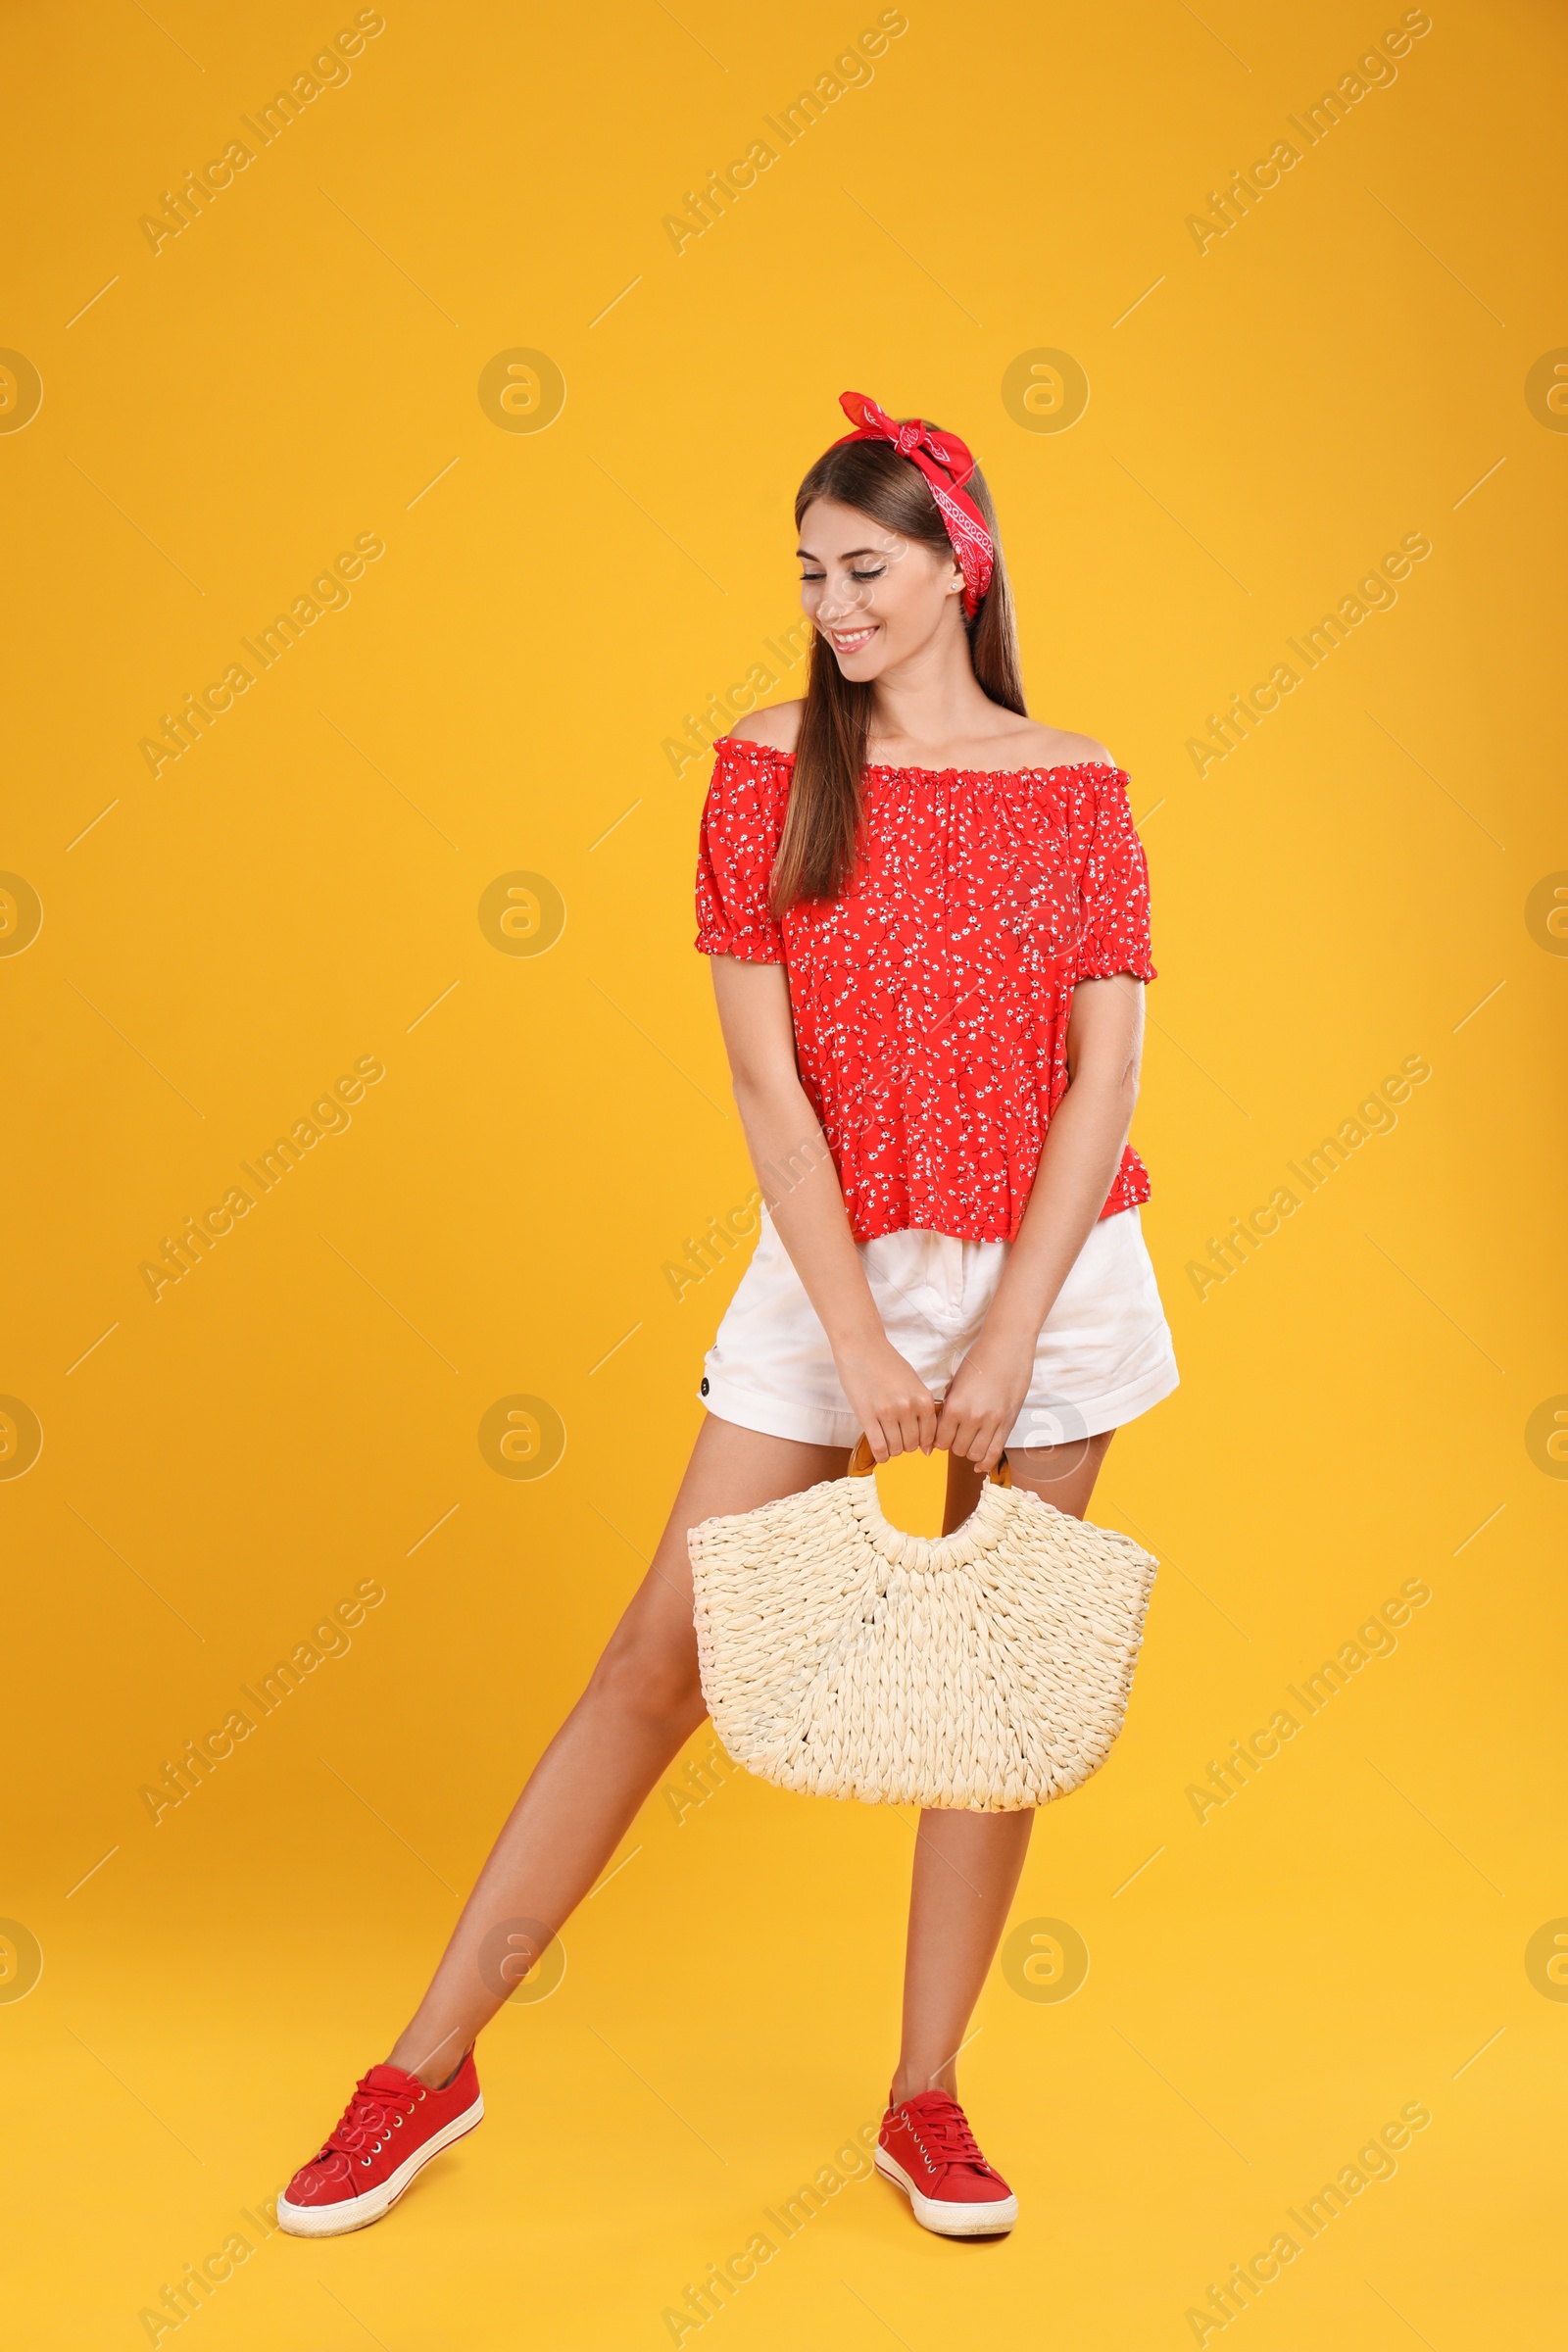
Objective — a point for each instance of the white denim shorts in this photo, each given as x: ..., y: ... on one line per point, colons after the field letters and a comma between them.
x: 1105, y: 1354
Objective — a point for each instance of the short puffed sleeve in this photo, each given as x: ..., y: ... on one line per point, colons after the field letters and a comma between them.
x: 742, y: 819
x: 1114, y: 928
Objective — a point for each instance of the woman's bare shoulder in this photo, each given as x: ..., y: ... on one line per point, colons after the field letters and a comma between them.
x: 1058, y: 747
x: 778, y: 726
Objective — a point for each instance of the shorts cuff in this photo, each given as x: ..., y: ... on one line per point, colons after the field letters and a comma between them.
x: 1110, y: 1411
x: 773, y: 1417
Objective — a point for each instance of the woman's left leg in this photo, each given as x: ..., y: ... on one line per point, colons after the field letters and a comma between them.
x: 966, y: 1865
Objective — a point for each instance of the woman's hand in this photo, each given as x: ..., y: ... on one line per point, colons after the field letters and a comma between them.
x: 984, y: 1399
x: 892, y: 1402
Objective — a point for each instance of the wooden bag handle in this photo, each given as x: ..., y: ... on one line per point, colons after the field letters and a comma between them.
x: 862, y: 1462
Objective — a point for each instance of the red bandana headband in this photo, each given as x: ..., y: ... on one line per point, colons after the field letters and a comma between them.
x: 947, y: 464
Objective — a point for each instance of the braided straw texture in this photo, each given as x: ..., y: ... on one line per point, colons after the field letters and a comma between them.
x: 986, y: 1670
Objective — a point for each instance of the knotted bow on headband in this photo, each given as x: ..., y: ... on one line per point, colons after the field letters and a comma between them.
x: 947, y: 464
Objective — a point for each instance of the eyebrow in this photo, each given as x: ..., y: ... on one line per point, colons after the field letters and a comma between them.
x: 848, y: 556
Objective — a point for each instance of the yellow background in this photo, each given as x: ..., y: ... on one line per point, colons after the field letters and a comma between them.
x: 1266, y: 418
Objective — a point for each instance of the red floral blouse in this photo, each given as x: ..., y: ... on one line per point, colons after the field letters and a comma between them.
x: 931, y: 999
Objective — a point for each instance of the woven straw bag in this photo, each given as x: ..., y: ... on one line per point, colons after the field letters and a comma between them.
x: 986, y: 1670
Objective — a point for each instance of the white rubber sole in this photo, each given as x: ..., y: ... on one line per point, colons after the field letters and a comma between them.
x: 358, y: 2213
x: 935, y: 2213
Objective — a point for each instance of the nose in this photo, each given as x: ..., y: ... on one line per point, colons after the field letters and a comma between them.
x: 840, y: 601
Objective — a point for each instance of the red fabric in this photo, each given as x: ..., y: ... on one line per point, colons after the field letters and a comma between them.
x: 931, y: 998
x: 390, y: 2117
x: 929, y: 2136
x: 947, y: 464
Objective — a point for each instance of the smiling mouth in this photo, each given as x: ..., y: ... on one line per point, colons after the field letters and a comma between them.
x: 850, y: 641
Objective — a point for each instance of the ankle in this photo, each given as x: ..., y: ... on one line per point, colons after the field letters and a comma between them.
x: 436, y: 2067
x: 435, y: 2074
x: 911, y: 2080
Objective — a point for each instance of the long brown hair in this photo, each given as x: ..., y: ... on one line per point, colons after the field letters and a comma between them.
x: 818, y: 845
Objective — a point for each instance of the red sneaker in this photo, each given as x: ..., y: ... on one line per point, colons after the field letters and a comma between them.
x: 927, y: 2149
x: 390, y: 2130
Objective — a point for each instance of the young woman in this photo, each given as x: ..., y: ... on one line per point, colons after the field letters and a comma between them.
x: 928, y: 915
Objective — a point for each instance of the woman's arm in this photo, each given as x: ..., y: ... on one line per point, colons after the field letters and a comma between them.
x: 1078, y: 1164
x: 806, y: 1201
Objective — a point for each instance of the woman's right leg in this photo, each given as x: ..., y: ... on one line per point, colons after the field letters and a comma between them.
x: 642, y: 1703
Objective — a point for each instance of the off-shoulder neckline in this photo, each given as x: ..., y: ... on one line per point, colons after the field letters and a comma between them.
x: 888, y: 767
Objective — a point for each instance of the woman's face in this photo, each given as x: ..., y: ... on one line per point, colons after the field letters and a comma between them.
x: 875, y: 595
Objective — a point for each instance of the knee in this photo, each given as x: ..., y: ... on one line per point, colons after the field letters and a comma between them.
x: 651, y: 1679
